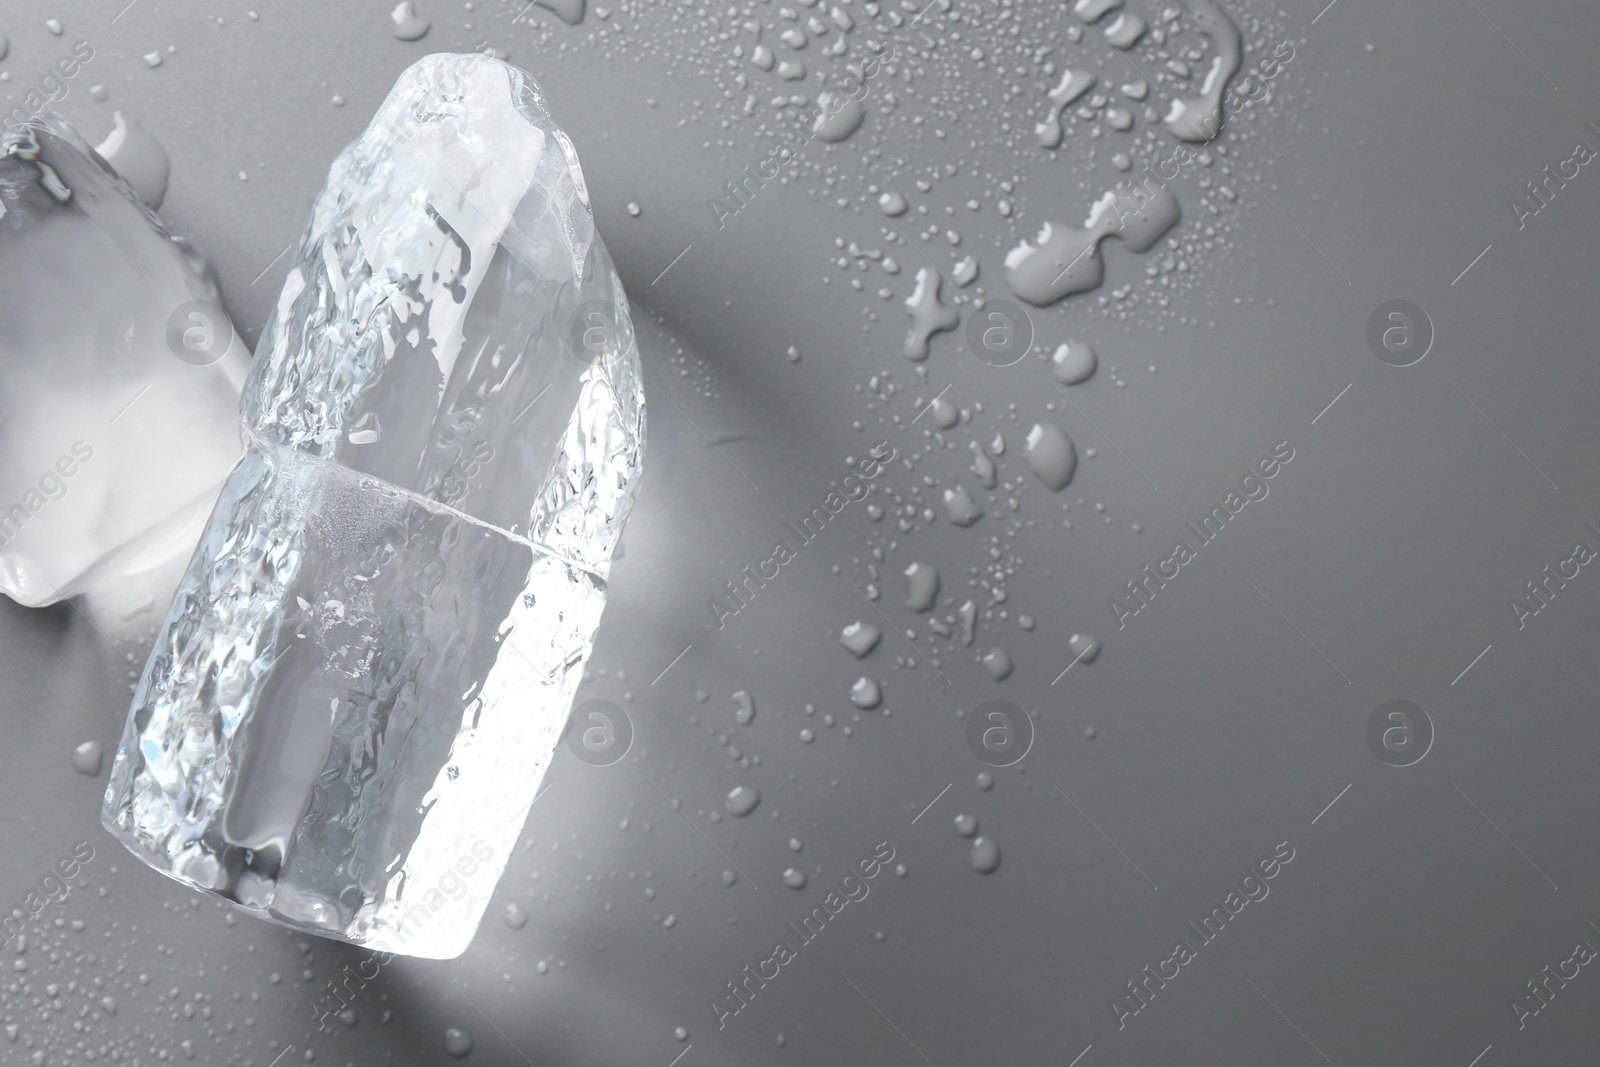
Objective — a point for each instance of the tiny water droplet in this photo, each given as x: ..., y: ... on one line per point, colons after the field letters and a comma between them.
x: 924, y: 580
x: 458, y: 1043
x: 960, y: 508
x: 742, y: 800
x: 865, y: 693
x: 966, y: 825
x: 794, y: 878
x: 1084, y: 647
x: 985, y: 855
x: 408, y: 25
x: 997, y: 663
x: 1051, y: 455
x: 1074, y: 362
x: 86, y: 758
x: 860, y: 638
x: 514, y: 916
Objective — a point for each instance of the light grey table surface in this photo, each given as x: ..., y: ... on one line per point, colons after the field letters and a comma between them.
x: 1227, y: 715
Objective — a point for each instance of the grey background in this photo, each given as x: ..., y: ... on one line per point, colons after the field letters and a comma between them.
x: 1415, y: 907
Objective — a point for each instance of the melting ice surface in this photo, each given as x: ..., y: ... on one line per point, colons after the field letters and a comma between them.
x: 117, y: 408
x: 363, y: 676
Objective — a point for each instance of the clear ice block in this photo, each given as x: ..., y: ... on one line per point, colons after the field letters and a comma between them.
x: 364, y: 673
x: 119, y: 375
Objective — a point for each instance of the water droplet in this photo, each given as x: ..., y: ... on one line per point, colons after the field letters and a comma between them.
x: 680, y: 1033
x: 729, y: 877
x: 457, y: 1043
x: 928, y: 315
x: 966, y: 825
x: 1073, y: 84
x: 634, y: 209
x: 1085, y: 648
x: 568, y: 11
x: 808, y: 735
x: 841, y: 116
x: 1089, y: 732
x: 795, y: 845
x: 891, y: 203
x: 983, y: 466
x: 865, y: 693
x: 860, y: 638
x: 745, y: 708
x: 742, y: 800
x: 924, y: 579
x: 514, y: 916
x: 985, y: 855
x: 960, y: 508
x: 408, y: 25
x: 98, y: 94
x: 1066, y: 259
x: 1125, y: 31
x: 1073, y: 362
x: 945, y: 414
x: 965, y: 272
x: 997, y: 663
x: 86, y: 758
x: 985, y: 781
x: 1198, y: 118
x: 969, y: 622
x: 1051, y: 455
x: 794, y: 878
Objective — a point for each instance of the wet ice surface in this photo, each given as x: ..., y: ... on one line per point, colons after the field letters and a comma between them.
x: 362, y: 677
x: 119, y: 376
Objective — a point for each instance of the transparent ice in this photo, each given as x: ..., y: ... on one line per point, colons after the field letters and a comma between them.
x: 364, y: 673
x: 117, y: 408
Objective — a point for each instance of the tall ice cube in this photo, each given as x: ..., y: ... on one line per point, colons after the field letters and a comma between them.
x: 364, y: 673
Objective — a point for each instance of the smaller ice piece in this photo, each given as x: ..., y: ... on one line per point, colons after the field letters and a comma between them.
x: 119, y: 375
